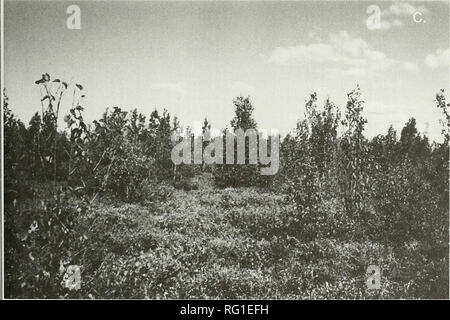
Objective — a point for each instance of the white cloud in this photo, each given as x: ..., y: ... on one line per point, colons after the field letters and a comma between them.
x: 177, y: 88
x: 438, y: 59
x: 314, y: 35
x: 399, y: 12
x: 403, y: 9
x: 341, y: 54
x: 388, y: 24
x: 340, y: 51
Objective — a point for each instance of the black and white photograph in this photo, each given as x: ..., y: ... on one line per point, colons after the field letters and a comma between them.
x: 225, y: 150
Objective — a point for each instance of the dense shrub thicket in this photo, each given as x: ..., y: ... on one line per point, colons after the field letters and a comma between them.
x: 387, y: 196
x: 387, y: 189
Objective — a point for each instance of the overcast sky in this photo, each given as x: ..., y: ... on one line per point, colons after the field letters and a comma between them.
x: 193, y: 58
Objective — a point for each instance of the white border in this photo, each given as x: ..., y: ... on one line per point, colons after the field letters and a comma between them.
x: 2, y: 85
x: 2, y: 188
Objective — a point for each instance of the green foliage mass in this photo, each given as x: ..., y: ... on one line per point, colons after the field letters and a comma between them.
x: 107, y: 197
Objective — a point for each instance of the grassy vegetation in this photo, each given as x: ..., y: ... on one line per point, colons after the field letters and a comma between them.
x: 225, y: 243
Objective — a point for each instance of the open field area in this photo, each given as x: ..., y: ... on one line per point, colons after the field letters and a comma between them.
x: 230, y: 243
